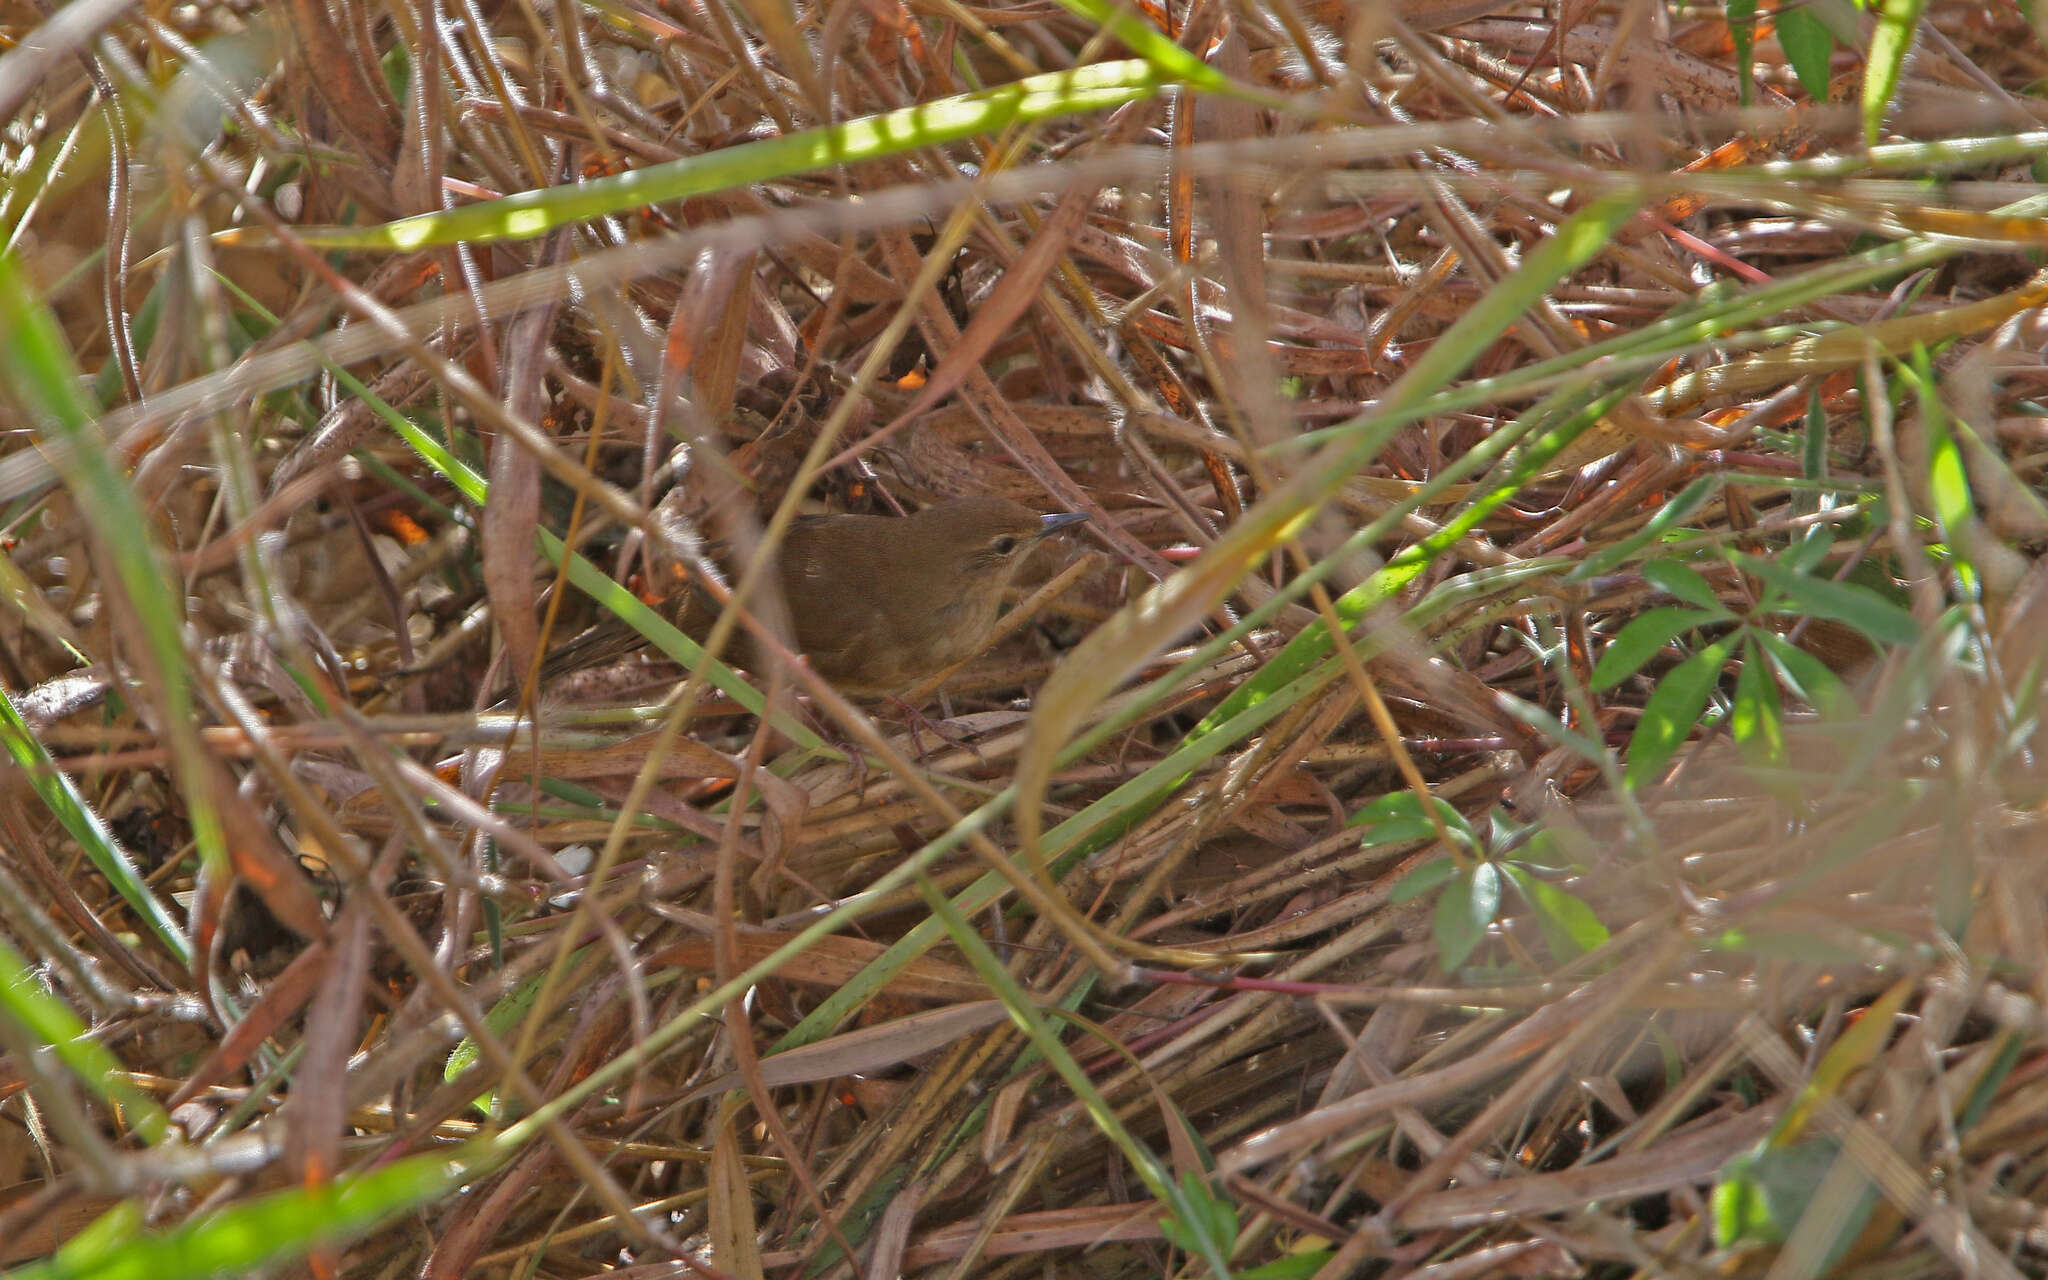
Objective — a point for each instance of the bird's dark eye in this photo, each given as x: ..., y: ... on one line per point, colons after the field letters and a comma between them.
x: 1004, y: 545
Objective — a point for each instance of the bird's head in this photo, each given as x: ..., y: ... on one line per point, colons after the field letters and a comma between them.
x: 976, y: 544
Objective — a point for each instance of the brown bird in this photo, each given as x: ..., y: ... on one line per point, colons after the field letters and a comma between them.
x: 878, y: 603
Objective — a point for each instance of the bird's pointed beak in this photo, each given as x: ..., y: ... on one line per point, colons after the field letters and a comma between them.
x: 1049, y: 525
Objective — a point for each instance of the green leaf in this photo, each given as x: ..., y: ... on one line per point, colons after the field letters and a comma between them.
x: 1990, y: 1083
x: 1808, y: 44
x: 1464, y: 911
x: 1295, y: 1266
x: 1806, y: 676
x: 1674, y: 708
x: 501, y: 1019
x: 1397, y: 818
x: 1762, y: 1195
x: 1805, y: 555
x: 1423, y: 879
x: 1546, y: 850
x: 1742, y: 1210
x: 1757, y: 719
x: 1642, y: 639
x: 1585, y: 745
x: 1570, y: 927
x: 1948, y: 482
x: 1676, y: 579
x: 1889, y: 45
x: 1867, y: 611
x: 1207, y: 1225
x: 1813, y: 449
x: 1668, y: 517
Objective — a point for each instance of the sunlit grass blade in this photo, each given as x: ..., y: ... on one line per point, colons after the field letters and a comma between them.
x: 527, y: 214
x: 1898, y: 22
x: 242, y: 1237
x: 1171, y: 1195
x: 1155, y: 46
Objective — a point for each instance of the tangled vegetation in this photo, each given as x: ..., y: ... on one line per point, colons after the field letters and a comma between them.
x: 1533, y: 767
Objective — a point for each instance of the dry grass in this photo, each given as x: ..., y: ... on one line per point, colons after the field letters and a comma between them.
x: 1482, y: 343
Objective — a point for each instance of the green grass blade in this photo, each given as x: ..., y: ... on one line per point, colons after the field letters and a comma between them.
x: 1155, y: 46
x: 239, y: 1238
x: 527, y: 214
x: 82, y: 823
x: 1889, y: 44
x: 584, y: 575
x: 38, y: 373
x: 50, y: 1022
